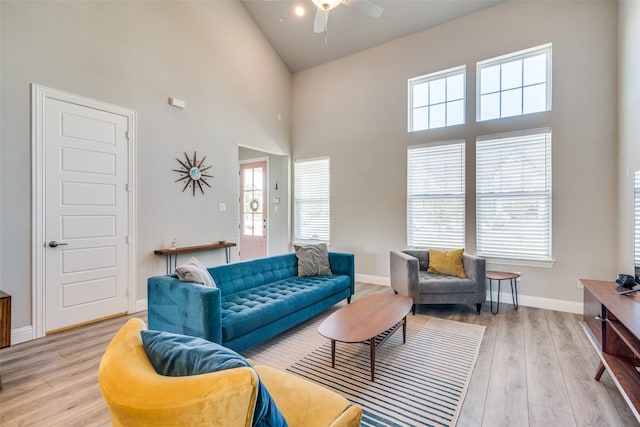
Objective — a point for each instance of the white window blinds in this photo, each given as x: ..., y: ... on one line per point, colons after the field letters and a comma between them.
x: 513, y: 200
x: 637, y: 218
x: 436, y: 196
x: 312, y: 208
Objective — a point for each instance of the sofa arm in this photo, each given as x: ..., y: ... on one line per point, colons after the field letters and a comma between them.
x: 404, y: 270
x: 475, y: 269
x: 184, y: 308
x: 343, y: 263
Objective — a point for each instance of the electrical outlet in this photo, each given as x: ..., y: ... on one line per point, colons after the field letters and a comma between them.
x: 222, y: 207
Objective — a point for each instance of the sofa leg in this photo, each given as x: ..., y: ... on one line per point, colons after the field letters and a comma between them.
x: 348, y: 300
x: 478, y: 307
x: 413, y: 309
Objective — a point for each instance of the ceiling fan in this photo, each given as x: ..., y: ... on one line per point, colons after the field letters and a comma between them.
x: 324, y: 6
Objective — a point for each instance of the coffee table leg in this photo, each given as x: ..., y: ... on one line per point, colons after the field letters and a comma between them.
x: 333, y: 353
x: 404, y: 330
x: 373, y: 357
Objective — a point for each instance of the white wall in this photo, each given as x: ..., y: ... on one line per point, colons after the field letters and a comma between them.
x: 629, y: 126
x: 355, y: 111
x: 136, y: 55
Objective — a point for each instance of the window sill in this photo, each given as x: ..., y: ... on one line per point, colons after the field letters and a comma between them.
x: 538, y: 263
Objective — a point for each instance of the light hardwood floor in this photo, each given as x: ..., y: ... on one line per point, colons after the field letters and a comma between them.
x: 535, y: 368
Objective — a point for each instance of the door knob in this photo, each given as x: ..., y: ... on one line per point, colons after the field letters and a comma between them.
x: 54, y: 244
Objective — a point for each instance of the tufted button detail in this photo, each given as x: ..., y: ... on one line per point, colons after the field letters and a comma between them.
x: 246, y: 310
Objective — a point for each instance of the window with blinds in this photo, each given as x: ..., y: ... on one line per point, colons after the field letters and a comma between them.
x: 312, y: 208
x: 637, y: 218
x: 513, y: 196
x: 436, y: 195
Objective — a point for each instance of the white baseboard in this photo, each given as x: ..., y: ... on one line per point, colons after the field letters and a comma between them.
x: 375, y: 280
x: 525, y: 300
x: 539, y: 302
x: 20, y: 335
x: 141, y: 305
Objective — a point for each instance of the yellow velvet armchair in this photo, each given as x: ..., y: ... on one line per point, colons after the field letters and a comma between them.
x: 137, y: 396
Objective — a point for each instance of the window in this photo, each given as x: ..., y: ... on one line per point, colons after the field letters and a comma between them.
x: 637, y: 219
x: 515, y: 84
x: 437, y: 100
x: 513, y: 200
x: 436, y: 195
x: 312, y: 200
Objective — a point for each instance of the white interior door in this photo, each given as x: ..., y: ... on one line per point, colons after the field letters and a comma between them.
x: 253, y: 210
x: 86, y: 213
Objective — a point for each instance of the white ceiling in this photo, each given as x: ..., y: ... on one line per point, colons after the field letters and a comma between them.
x: 349, y: 31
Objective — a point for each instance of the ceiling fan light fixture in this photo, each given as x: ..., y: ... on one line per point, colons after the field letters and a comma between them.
x: 326, y: 4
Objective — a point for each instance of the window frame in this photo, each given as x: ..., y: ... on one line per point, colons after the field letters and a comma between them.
x: 298, y: 234
x: 509, y: 58
x: 544, y: 260
x: 429, y: 78
x: 449, y: 240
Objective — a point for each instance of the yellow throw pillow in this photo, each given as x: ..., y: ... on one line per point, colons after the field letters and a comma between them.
x: 446, y: 262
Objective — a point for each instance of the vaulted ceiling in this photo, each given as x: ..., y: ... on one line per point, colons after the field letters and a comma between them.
x: 348, y: 30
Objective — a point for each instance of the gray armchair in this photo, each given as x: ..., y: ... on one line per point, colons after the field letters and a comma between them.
x: 409, y: 277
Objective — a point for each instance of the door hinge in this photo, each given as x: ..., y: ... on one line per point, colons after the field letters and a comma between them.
x: 126, y: 239
x: 126, y: 188
x: 126, y: 135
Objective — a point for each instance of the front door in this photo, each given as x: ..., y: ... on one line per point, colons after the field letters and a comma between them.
x: 253, y: 210
x: 86, y: 165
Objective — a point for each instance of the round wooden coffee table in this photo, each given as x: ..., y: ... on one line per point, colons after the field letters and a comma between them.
x: 365, y: 321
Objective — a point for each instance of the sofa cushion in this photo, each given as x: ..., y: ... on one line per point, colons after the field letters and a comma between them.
x: 245, y: 311
x: 430, y: 283
x: 177, y: 355
x: 244, y: 275
x: 313, y: 260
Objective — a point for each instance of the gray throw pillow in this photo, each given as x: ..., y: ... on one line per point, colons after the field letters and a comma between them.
x: 194, y: 271
x: 313, y: 260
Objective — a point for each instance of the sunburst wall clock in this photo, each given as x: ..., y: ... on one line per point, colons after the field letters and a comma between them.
x: 193, y: 173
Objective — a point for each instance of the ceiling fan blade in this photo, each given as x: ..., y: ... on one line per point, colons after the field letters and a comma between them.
x: 320, y: 23
x: 365, y: 6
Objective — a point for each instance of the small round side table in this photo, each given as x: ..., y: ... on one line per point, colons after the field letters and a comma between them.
x: 500, y: 276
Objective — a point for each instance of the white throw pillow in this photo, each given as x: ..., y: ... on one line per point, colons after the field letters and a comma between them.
x: 194, y: 271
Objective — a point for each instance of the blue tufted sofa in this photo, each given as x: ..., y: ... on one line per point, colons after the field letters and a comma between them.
x: 253, y: 300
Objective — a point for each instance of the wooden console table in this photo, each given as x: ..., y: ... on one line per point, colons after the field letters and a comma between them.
x: 171, y: 254
x: 612, y: 324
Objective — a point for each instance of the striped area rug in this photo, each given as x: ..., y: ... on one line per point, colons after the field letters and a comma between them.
x: 420, y: 383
